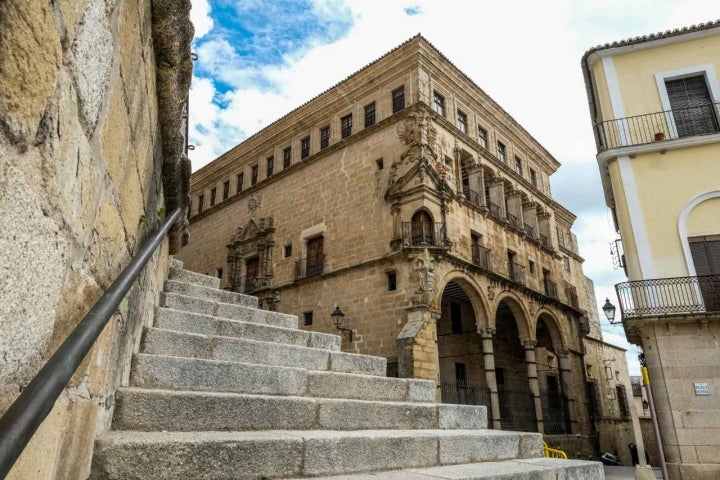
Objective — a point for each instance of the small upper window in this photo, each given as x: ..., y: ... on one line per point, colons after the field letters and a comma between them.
x: 240, y: 179
x: 305, y: 147
x: 502, y: 152
x: 398, y: 99
x: 369, y: 114
x: 254, y: 175
x: 324, y: 137
x: 462, y: 121
x: 346, y: 126
x: 201, y: 200
x: 270, y: 165
x: 439, y: 104
x: 287, y: 157
x: 518, y: 165
x: 533, y: 177
x: 391, y: 281
x: 287, y: 251
x: 307, y: 318
x: 482, y: 137
x: 213, y: 196
x: 226, y: 189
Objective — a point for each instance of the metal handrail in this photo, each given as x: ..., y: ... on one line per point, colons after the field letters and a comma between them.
x: 33, y: 405
x: 664, y: 296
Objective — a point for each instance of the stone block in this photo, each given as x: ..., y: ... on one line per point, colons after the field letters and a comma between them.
x: 462, y: 416
x: 361, y: 364
x: 178, y: 273
x: 421, y: 391
x: 363, y: 415
x: 467, y: 446
x: 342, y: 385
x: 32, y: 56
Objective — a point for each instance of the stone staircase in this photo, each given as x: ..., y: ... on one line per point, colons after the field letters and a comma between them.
x: 223, y: 390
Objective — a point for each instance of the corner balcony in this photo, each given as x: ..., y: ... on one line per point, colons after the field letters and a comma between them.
x: 424, y: 234
x: 658, y: 127
x: 669, y: 296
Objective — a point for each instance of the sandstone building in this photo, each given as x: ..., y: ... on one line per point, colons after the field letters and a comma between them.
x: 654, y: 109
x: 410, y: 199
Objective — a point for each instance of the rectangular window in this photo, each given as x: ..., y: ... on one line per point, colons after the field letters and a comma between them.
x: 346, y: 126
x: 201, y: 200
x: 219, y: 273
x: 226, y: 189
x: 305, y: 147
x: 287, y: 251
x: 439, y: 104
x: 531, y: 266
x: 324, y: 137
x: 461, y: 373
x: 501, y: 151
x: 379, y: 163
x: 287, y: 157
x: 213, y: 196
x: 398, y: 99
x: 456, y: 317
x: 307, y: 318
x: 240, y: 181
x: 482, y: 137
x: 692, y: 109
x: 462, y: 121
x: 369, y: 114
x: 254, y: 175
x: 622, y: 401
x: 391, y: 281
x: 270, y: 165
x: 533, y: 177
x: 518, y: 165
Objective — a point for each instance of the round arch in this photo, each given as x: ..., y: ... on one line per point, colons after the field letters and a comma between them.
x: 472, y: 290
x: 682, y: 227
x: 522, y: 318
x: 557, y: 335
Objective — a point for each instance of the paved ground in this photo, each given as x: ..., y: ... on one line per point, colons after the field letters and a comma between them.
x: 625, y: 473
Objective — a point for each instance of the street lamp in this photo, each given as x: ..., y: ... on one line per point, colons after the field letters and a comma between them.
x: 609, y: 310
x: 337, y: 317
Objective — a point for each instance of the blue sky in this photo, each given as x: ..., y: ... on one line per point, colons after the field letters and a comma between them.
x: 259, y: 59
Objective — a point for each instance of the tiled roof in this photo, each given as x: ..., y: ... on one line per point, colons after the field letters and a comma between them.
x: 656, y: 36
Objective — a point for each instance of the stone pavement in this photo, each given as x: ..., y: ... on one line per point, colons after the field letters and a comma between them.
x: 625, y: 473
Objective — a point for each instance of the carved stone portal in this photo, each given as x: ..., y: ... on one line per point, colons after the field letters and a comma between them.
x: 250, y: 256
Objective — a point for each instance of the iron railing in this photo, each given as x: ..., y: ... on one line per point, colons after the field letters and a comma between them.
x: 517, y: 409
x: 517, y: 273
x: 493, y: 210
x: 544, y: 241
x: 530, y: 231
x: 513, y: 221
x: 22, y: 419
x: 658, y: 126
x: 551, y: 289
x: 665, y: 296
x: 556, y: 419
x: 310, y: 266
x: 422, y: 234
x: 460, y: 393
x: 481, y: 256
x: 472, y: 196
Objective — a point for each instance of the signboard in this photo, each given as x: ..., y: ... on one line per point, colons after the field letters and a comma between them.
x: 701, y: 388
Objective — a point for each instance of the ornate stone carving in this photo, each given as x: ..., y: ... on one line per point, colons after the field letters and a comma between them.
x: 420, y: 136
x: 254, y: 203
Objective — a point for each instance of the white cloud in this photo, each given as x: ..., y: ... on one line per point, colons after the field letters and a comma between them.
x: 200, y: 16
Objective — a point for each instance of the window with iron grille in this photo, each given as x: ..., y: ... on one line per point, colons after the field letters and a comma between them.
x: 307, y: 318
x: 502, y: 151
x: 398, y: 99
x: 482, y: 137
x: 369, y: 114
x: 253, y: 175
x: 439, y: 104
x: 213, y: 195
x: 346, y: 126
x: 305, y: 147
x: 287, y: 157
x: 462, y: 121
x: 622, y: 401
x: 324, y: 137
x: 226, y: 189
x: 270, y: 165
x: 240, y: 181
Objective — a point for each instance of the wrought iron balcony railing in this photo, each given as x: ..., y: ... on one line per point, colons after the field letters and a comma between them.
x: 472, y: 196
x: 513, y: 221
x: 517, y: 273
x: 530, y: 231
x: 658, y: 127
x: 493, y: 209
x: 423, y: 234
x: 481, y: 257
x: 551, y: 289
x: 309, y: 267
x: 665, y: 296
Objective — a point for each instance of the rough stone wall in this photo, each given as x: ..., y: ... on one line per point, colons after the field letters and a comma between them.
x: 82, y: 160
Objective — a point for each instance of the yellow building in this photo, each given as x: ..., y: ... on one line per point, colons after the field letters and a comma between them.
x: 654, y: 107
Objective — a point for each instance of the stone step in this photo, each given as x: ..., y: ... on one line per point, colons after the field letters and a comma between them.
x: 277, y: 454
x: 170, y: 319
x: 172, y: 410
x: 523, y: 469
x: 180, y: 373
x: 209, y: 293
x: 228, y: 311
x: 182, y: 344
x: 178, y: 273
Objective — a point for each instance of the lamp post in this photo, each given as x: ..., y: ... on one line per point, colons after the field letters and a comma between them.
x: 337, y: 317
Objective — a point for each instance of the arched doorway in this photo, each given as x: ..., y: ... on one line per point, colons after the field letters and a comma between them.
x: 460, y: 353
x: 517, y: 407
x: 556, y: 418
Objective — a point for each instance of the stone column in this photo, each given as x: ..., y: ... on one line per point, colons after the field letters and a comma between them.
x: 514, y: 206
x: 489, y: 360
x: 476, y: 182
x: 566, y: 382
x: 529, y: 346
x: 417, y: 346
x: 530, y: 217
